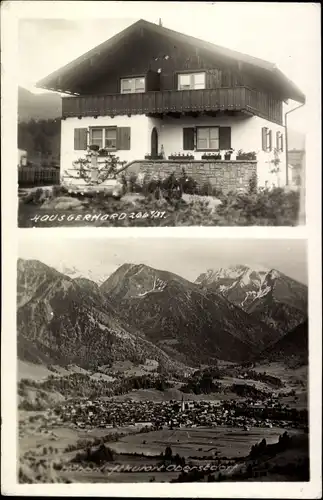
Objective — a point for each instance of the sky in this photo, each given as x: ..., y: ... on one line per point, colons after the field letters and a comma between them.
x: 188, y: 257
x: 283, y: 33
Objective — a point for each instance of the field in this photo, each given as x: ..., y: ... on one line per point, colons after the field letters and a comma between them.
x: 287, y: 375
x: 32, y: 371
x: 224, y: 444
x: 172, y: 394
x: 227, y: 442
x: 294, y: 379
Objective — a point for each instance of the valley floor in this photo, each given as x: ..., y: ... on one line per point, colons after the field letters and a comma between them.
x: 210, y: 438
x: 47, y: 453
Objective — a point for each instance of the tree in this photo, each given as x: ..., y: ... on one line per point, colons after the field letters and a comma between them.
x: 262, y: 446
x: 249, y: 470
x: 168, y: 453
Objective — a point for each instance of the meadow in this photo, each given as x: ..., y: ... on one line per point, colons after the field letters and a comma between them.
x: 225, y: 442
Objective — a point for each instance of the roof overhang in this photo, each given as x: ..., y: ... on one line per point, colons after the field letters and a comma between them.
x: 65, y: 79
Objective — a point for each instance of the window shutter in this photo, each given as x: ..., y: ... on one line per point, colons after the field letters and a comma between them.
x: 123, y: 138
x: 225, y: 137
x: 80, y: 139
x: 270, y: 140
x: 279, y: 141
x: 264, y: 138
x: 188, y: 139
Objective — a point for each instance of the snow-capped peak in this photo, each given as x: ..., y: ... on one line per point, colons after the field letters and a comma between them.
x: 243, y: 283
x: 224, y: 272
x: 93, y: 275
x: 274, y: 274
x: 244, y: 272
x: 258, y: 268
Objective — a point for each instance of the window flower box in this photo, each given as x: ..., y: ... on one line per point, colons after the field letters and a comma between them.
x: 180, y: 156
x: 246, y: 156
x: 211, y: 156
x: 104, y: 152
x: 159, y: 156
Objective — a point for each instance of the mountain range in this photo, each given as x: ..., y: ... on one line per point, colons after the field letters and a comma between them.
x: 43, y: 106
x: 237, y: 314
x: 267, y: 295
x: 292, y: 346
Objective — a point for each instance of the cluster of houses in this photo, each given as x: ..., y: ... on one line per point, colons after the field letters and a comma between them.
x: 171, y: 414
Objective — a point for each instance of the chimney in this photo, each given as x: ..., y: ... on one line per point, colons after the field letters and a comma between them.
x: 160, y: 22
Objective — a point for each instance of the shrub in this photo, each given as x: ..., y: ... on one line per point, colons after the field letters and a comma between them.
x: 274, y: 207
x: 59, y: 190
x: 35, y: 197
x: 253, y: 181
x: 217, y: 192
x: 188, y: 184
x: 206, y: 189
x: 132, y: 185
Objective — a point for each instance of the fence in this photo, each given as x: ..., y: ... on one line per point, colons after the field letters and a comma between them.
x: 38, y: 176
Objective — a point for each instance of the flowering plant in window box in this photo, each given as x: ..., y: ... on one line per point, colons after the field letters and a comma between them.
x: 181, y: 156
x: 104, y: 152
x: 252, y: 155
x: 159, y: 156
x: 227, y: 154
x: 211, y: 156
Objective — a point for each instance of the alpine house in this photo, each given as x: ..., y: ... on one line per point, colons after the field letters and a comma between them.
x: 158, y: 98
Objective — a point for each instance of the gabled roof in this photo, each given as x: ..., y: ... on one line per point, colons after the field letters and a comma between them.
x: 55, y: 80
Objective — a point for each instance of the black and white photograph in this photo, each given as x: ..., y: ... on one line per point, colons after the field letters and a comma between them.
x: 180, y: 360
x: 194, y: 115
x: 161, y: 272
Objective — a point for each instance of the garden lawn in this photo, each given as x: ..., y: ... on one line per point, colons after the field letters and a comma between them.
x: 56, y: 208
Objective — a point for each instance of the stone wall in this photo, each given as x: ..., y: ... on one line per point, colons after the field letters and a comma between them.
x: 227, y: 175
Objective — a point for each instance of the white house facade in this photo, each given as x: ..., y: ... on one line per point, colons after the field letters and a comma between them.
x: 247, y: 135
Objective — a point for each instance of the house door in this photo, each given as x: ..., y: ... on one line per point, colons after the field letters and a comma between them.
x: 154, y: 143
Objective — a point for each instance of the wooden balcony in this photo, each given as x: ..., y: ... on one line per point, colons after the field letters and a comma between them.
x: 168, y: 102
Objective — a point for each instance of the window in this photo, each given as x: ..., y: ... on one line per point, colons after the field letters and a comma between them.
x: 105, y: 138
x: 97, y: 137
x: 266, y: 139
x: 279, y: 142
x: 207, y: 138
x: 110, y: 141
x: 132, y: 85
x: 191, y: 81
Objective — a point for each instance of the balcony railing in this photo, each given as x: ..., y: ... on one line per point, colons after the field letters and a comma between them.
x: 173, y: 101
